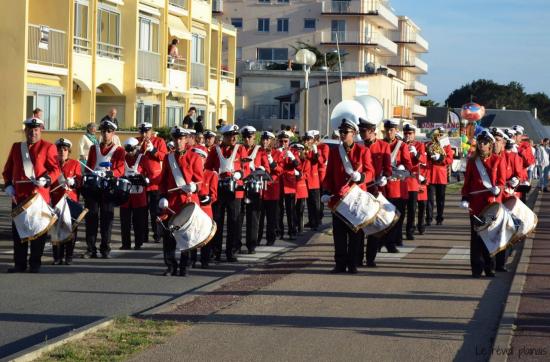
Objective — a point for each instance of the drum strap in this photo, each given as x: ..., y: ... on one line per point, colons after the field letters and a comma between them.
x: 227, y: 164
x: 134, y: 168
x: 395, y: 151
x: 345, y: 159
x: 253, y: 157
x: 100, y: 158
x: 28, y: 167
x: 176, y: 171
x: 483, y: 173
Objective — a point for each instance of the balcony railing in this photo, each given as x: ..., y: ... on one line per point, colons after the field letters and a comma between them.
x: 198, y: 74
x: 402, y: 112
x: 109, y: 50
x: 359, y: 38
x: 420, y: 44
x: 217, y: 6
x: 362, y: 7
x: 418, y: 87
x: 179, y: 3
x: 81, y: 45
x: 148, y: 66
x: 177, y: 63
x: 419, y: 110
x: 213, y: 72
x: 415, y: 64
x: 55, y: 54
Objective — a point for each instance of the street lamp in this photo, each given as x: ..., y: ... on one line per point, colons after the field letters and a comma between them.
x: 326, y: 69
x: 307, y: 58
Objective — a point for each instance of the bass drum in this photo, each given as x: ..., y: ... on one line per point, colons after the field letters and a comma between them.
x: 524, y: 218
x: 386, y: 217
x: 357, y: 208
x: 33, y: 217
x: 497, y: 227
x: 191, y: 227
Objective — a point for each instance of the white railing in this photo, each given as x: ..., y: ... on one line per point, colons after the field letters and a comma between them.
x: 355, y: 37
x: 56, y: 53
x: 148, y: 66
x: 81, y: 45
x: 410, y: 62
x: 109, y: 50
x: 420, y: 64
x: 418, y: 86
x: 177, y: 63
x: 419, y: 110
x: 198, y: 74
x: 217, y: 6
x: 407, y: 37
x: 179, y: 3
x: 360, y: 7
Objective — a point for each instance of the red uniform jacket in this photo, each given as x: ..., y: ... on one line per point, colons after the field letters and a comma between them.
x: 310, y: 169
x: 423, y: 187
x: 213, y: 163
x: 71, y: 168
x: 418, y: 162
x: 514, y: 166
x: 496, y: 169
x: 336, y: 180
x: 438, y: 170
x: 526, y: 152
x: 209, y: 187
x: 191, y: 167
x: 288, y: 176
x: 43, y: 155
x: 136, y: 199
x: 153, y: 162
x: 323, y: 150
x: 259, y: 160
x: 273, y: 190
x: 117, y: 159
x: 396, y: 189
x: 381, y: 157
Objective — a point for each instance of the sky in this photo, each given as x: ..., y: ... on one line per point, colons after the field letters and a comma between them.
x: 501, y: 40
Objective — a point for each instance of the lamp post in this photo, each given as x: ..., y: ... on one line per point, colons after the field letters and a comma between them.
x: 307, y: 58
x: 340, y: 67
x: 326, y: 69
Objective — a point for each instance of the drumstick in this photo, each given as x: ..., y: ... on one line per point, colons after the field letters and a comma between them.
x: 479, y: 191
x: 83, y: 164
x: 179, y: 188
x: 24, y: 181
x: 58, y: 186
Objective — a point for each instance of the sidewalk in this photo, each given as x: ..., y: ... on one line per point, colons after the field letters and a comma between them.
x: 421, y: 304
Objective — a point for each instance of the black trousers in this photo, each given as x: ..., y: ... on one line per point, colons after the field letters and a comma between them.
x: 242, y: 213
x: 411, y: 213
x: 435, y: 193
x: 421, y: 216
x: 136, y: 217
x: 253, y: 210
x: 152, y: 202
x: 227, y: 203
x: 500, y: 258
x: 21, y: 250
x: 270, y: 211
x: 346, y: 243
x: 100, y: 213
x: 395, y: 235
x: 314, y: 207
x: 480, y: 259
x: 372, y: 248
x: 287, y: 204
x: 169, y: 252
x: 299, y: 214
x: 65, y: 250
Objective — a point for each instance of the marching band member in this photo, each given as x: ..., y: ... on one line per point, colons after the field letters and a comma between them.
x: 182, y: 174
x: 155, y: 149
x: 71, y: 177
x: 313, y: 159
x: 225, y: 159
x: 486, y: 172
x: 301, y: 189
x: 417, y: 151
x: 107, y: 160
x: 439, y: 159
x: 349, y: 163
x: 272, y: 193
x: 422, y: 199
x: 290, y: 164
x: 209, y: 139
x: 34, y: 160
x: 525, y: 151
x: 323, y: 150
x: 400, y: 159
x: 381, y: 161
x: 134, y: 211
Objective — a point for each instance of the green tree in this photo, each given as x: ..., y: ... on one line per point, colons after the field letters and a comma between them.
x: 429, y: 103
x: 541, y: 102
x: 489, y: 94
x: 332, y: 57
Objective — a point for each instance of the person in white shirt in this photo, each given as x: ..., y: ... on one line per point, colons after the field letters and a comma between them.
x: 87, y: 141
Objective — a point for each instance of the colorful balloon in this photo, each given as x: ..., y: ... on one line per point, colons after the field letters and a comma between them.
x: 472, y: 112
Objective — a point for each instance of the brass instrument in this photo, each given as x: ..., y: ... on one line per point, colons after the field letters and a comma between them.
x: 434, y: 148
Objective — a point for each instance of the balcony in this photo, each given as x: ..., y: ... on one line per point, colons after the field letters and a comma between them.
x: 376, y: 40
x: 148, y: 66
x: 419, y: 111
x: 81, y: 45
x: 177, y: 75
x: 52, y: 52
x: 413, y: 41
x: 217, y: 6
x: 402, y: 112
x: 107, y: 50
x: 182, y: 4
x: 198, y: 75
x: 417, y: 88
x: 412, y: 64
x: 377, y: 12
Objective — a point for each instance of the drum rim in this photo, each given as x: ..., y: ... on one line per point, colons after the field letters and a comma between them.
x: 50, y: 225
x: 364, y: 223
x: 25, y: 204
x: 485, y: 226
x: 205, y: 241
x: 387, y: 229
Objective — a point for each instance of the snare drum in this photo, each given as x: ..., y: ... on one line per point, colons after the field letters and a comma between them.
x: 33, y: 217
x: 117, y: 190
x: 526, y: 220
x: 386, y: 217
x: 497, y: 229
x: 63, y: 228
x: 191, y: 227
x: 357, y: 208
x: 227, y: 184
x: 91, y: 186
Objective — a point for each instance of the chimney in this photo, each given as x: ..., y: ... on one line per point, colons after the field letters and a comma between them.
x: 535, y: 113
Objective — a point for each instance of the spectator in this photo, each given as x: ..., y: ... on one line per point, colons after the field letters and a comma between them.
x: 220, y: 124
x: 37, y: 113
x: 543, y: 163
x: 111, y: 116
x: 87, y: 141
x: 188, y: 121
x: 199, y: 126
x: 173, y: 52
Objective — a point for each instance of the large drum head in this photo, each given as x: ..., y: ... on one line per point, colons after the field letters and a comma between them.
x: 78, y: 212
x: 183, y: 217
x: 490, y: 214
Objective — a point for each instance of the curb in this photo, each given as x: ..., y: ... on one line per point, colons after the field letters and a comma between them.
x: 506, y: 327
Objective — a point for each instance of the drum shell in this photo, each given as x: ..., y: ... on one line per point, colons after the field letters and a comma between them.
x: 192, y: 232
x: 33, y: 218
x: 522, y: 213
x: 117, y: 190
x: 386, y: 217
x: 499, y: 228
x: 357, y: 208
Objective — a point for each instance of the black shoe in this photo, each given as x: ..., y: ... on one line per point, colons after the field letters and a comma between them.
x: 232, y: 259
x: 392, y: 249
x: 137, y: 247
x: 69, y: 261
x: 204, y: 266
x: 194, y: 264
x: 125, y: 247
x: 420, y: 231
x: 15, y: 270
x: 439, y: 223
x: 307, y: 225
x: 105, y: 256
x: 57, y: 262
x: 501, y: 269
x: 270, y: 243
x: 35, y: 269
x: 89, y: 255
x: 292, y: 237
x: 410, y: 237
x: 371, y: 264
x: 217, y: 257
x: 338, y: 269
x: 157, y: 241
x: 183, y: 272
x: 379, y: 249
x: 490, y: 274
x: 476, y: 275
x: 251, y: 251
x: 428, y: 223
x: 167, y: 272
x: 352, y: 269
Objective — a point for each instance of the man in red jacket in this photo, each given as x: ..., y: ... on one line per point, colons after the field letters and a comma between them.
x: 290, y: 163
x: 21, y: 182
x: 107, y: 161
x: 323, y: 149
x: 525, y: 151
x: 313, y: 159
x: 438, y: 170
x: 417, y: 151
x: 155, y: 149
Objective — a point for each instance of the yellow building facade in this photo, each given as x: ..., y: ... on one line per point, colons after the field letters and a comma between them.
x: 77, y: 59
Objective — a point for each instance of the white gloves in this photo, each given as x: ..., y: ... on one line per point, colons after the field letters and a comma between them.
x: 163, y: 203
x: 270, y: 159
x: 147, y: 181
x: 421, y: 178
x: 314, y: 148
x: 40, y: 182
x: 10, y: 191
x: 464, y: 204
x: 382, y: 181
x: 100, y: 173
x: 413, y: 150
x: 70, y: 181
x: 436, y: 157
x: 513, y: 182
x: 261, y: 168
x: 149, y: 146
x: 526, y: 183
x: 325, y: 199
x: 296, y: 172
x: 495, y: 190
x: 237, y: 175
x: 355, y: 176
x: 401, y: 168
x: 189, y: 188
x: 290, y: 155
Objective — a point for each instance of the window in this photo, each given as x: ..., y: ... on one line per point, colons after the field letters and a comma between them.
x: 148, y: 35
x: 173, y: 116
x: 52, y: 107
x: 81, y: 43
x: 263, y: 25
x: 338, y: 28
x: 264, y: 1
x: 148, y: 113
x: 282, y: 25
x: 294, y: 84
x: 283, y: 1
x: 239, y: 53
x: 197, y: 49
x: 309, y: 24
x: 237, y: 22
x: 273, y: 54
x: 108, y: 33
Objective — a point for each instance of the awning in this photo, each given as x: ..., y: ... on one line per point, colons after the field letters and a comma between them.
x: 44, y: 79
x: 177, y: 28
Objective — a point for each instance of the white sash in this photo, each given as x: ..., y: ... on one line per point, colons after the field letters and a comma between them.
x: 28, y: 167
x: 485, y: 179
x: 395, y: 151
x: 253, y: 157
x: 176, y: 171
x: 100, y: 158
x: 131, y: 171
x: 345, y: 160
x: 227, y: 164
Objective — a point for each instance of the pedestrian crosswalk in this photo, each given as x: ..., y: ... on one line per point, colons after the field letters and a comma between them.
x: 262, y: 253
x: 403, y: 252
x: 457, y: 253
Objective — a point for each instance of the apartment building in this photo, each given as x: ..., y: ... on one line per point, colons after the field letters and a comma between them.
x: 75, y: 59
x: 373, y: 41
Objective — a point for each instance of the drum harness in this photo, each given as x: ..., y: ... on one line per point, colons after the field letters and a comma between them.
x: 486, y: 182
x: 133, y: 171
